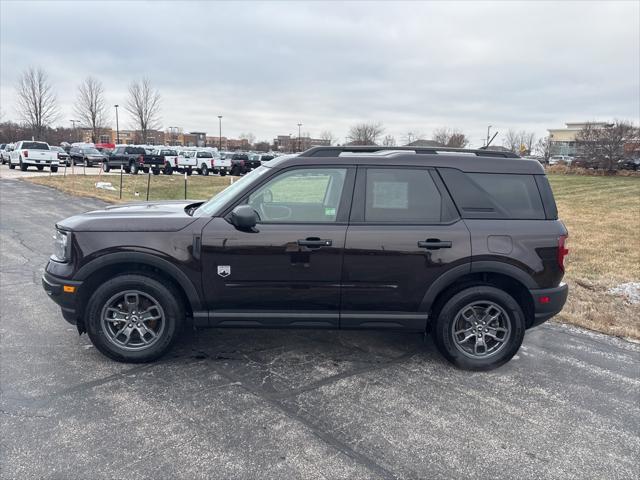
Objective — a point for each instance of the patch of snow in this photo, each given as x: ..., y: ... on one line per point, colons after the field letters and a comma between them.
x: 105, y: 186
x: 630, y: 291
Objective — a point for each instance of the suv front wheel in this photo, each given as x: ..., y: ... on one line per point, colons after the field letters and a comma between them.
x: 479, y: 328
x: 134, y: 318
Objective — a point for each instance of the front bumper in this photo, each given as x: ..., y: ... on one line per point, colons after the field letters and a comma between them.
x: 69, y: 302
x: 548, y: 302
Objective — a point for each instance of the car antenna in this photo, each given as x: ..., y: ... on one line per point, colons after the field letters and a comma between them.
x: 489, y: 142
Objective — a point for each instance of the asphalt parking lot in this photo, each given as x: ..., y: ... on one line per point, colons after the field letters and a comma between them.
x: 232, y: 403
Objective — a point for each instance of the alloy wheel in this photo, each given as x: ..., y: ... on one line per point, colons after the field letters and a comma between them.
x: 481, y: 329
x: 133, y: 320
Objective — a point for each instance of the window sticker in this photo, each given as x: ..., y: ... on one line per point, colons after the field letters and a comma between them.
x: 329, y: 212
x: 391, y: 195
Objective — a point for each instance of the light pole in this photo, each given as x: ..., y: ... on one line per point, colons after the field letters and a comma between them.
x: 117, y: 126
x: 75, y: 130
x: 488, y: 135
x: 219, y: 133
x: 299, y: 137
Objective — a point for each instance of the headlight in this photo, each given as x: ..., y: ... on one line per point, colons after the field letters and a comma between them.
x: 61, y: 246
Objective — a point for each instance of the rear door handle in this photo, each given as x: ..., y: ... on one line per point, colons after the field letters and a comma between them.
x: 314, y: 242
x: 434, y: 244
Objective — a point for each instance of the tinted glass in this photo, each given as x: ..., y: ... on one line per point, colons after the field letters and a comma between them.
x: 494, y: 195
x: 306, y: 195
x: 35, y: 146
x: 402, y: 195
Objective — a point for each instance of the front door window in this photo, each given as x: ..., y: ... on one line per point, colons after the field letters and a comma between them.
x: 303, y: 195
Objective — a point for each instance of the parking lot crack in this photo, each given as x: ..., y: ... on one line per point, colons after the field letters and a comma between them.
x: 324, y: 436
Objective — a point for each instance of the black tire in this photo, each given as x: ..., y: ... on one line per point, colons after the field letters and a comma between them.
x: 204, y: 170
x: 235, y: 171
x: 105, y: 167
x: 126, y: 169
x: 145, y: 169
x: 11, y: 165
x: 87, y: 163
x: 168, y: 169
x: 189, y: 172
x: 477, y: 297
x: 53, y: 169
x: 134, y: 168
x: 223, y: 173
x: 155, y: 171
x: 40, y: 167
x: 162, y: 293
x: 23, y: 166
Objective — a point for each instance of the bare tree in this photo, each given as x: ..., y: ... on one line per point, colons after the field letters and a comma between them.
x: 389, y: 141
x: 512, y: 140
x: 543, y: 148
x: 527, y: 142
x: 521, y: 142
x: 249, y: 137
x: 144, y: 105
x: 448, y: 137
x: 365, y: 133
x: 604, y: 146
x: 412, y: 136
x: 37, y: 103
x: 91, y: 107
x: 327, y: 136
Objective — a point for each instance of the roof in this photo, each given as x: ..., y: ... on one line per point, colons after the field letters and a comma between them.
x: 480, y: 161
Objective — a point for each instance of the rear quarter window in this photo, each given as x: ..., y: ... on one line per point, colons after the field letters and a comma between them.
x: 494, y: 195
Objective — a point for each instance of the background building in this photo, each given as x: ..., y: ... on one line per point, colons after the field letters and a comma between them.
x: 288, y: 143
x: 562, y: 141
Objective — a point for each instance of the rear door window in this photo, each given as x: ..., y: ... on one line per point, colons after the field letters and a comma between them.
x: 403, y: 196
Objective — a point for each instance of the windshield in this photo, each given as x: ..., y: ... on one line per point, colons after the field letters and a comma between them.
x: 213, y: 206
x: 56, y: 149
x: 91, y: 151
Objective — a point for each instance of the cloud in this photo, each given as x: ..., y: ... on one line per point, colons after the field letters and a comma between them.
x: 267, y: 66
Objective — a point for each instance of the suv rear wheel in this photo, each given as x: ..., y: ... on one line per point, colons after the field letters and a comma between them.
x: 134, y: 318
x: 480, y: 328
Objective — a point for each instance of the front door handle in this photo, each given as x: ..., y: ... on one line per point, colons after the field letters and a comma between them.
x: 314, y: 242
x: 434, y: 244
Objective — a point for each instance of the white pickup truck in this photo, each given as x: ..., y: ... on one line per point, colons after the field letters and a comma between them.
x: 210, y: 161
x: 37, y: 154
x: 173, y: 162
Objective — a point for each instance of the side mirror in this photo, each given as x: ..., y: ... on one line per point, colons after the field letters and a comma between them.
x: 244, y: 217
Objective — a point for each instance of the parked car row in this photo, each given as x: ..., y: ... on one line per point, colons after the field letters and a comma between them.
x: 135, y: 158
x: 27, y: 153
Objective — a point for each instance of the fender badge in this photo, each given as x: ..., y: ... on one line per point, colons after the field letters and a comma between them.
x: 224, y: 270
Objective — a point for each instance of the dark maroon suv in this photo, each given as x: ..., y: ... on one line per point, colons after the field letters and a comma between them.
x: 465, y: 244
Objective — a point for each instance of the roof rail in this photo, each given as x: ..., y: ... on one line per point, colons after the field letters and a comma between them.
x: 328, y: 151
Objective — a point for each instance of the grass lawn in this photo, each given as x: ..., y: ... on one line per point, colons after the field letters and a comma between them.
x: 603, y: 218
x: 134, y: 187
x: 601, y: 213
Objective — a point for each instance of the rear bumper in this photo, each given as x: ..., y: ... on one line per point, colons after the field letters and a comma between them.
x: 68, y: 302
x: 548, y: 302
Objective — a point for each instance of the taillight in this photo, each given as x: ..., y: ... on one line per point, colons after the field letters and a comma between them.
x: 563, y: 251
x: 141, y: 159
x: 25, y: 153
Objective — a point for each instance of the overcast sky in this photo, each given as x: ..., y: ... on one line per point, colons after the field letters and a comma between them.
x: 266, y: 66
